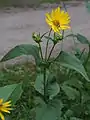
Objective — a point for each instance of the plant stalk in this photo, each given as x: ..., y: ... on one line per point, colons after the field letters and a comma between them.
x: 40, y: 50
x: 51, y: 51
x: 44, y: 76
x: 47, y: 44
x: 85, y: 63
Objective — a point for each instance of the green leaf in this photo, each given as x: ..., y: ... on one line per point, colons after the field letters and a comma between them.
x: 24, y: 49
x: 48, y: 111
x: 75, y: 118
x: 87, y: 5
x: 39, y: 83
x: 7, y: 91
x: 70, y: 35
x: 16, y: 94
x: 74, y: 82
x: 85, y: 97
x: 82, y: 39
x: 69, y: 113
x: 70, y: 92
x: 72, y: 62
x: 52, y: 87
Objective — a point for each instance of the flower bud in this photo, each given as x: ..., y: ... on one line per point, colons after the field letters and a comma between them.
x: 36, y: 37
x: 57, y: 38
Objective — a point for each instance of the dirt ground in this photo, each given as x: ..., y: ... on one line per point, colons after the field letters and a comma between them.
x: 17, y: 25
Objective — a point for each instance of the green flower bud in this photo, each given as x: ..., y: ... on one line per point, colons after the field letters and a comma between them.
x: 36, y: 37
x: 57, y: 38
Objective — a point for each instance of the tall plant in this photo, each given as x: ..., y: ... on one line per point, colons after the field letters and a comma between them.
x: 62, y: 80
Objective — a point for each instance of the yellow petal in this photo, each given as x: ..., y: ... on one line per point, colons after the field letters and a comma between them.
x: 53, y: 15
x: 64, y: 21
x: 5, y: 110
x: 1, y: 101
x: 55, y: 29
x: 2, y: 116
x: 48, y: 22
x: 7, y: 104
x: 63, y: 27
x: 48, y: 16
x: 57, y: 10
x: 58, y: 16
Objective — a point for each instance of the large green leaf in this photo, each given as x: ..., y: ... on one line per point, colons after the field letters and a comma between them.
x: 6, y: 92
x: 74, y: 82
x: 85, y: 97
x: 69, y: 113
x: 48, y: 111
x: 82, y: 39
x: 70, y: 92
x: 39, y: 83
x: 24, y: 49
x: 52, y: 86
x: 71, y: 61
x: 87, y: 5
x: 16, y: 94
x: 75, y: 118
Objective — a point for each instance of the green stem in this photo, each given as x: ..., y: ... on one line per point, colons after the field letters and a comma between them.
x: 44, y: 76
x: 82, y: 53
x: 51, y: 51
x: 40, y: 50
x: 47, y: 44
x: 85, y: 63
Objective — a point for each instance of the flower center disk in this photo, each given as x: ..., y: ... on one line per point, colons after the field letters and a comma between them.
x: 56, y: 23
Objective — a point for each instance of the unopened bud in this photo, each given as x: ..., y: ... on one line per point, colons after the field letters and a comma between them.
x: 36, y: 37
x: 57, y: 38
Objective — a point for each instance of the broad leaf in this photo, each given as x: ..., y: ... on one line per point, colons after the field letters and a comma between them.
x: 85, y: 97
x: 70, y: 92
x: 70, y: 35
x: 75, y: 118
x: 16, y: 94
x: 24, y: 49
x: 82, y: 39
x: 74, y: 82
x: 48, y: 111
x: 39, y: 83
x: 69, y: 113
x: 7, y: 91
x: 87, y: 5
x: 52, y: 87
x: 72, y: 62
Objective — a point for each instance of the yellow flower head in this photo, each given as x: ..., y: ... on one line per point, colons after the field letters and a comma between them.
x: 58, y: 20
x: 5, y: 107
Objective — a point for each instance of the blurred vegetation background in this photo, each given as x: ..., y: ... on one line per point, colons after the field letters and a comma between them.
x: 26, y: 2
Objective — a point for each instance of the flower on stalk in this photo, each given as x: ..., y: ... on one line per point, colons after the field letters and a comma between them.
x: 58, y: 20
x: 36, y: 37
x: 5, y: 107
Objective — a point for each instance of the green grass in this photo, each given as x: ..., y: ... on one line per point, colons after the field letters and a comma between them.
x: 28, y: 2
x: 17, y: 74
x: 52, y: 1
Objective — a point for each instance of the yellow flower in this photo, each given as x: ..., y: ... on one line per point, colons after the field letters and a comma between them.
x: 58, y: 20
x: 5, y: 107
